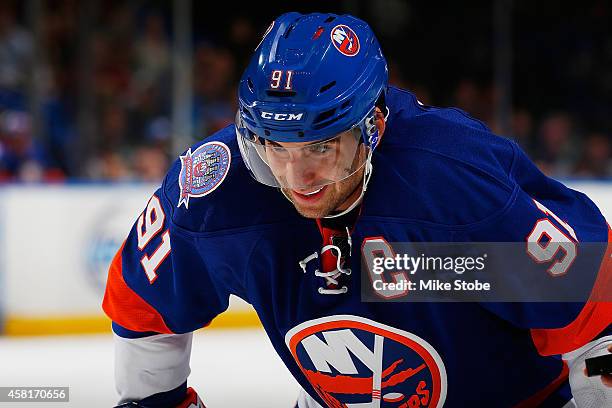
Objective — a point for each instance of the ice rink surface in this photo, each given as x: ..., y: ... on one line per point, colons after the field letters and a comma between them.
x: 229, y: 368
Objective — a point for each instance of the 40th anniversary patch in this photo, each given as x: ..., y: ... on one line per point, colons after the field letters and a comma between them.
x: 203, y: 170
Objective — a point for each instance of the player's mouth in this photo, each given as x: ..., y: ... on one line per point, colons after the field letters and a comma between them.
x: 309, y: 196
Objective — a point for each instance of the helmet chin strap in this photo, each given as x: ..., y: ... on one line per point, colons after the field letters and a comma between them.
x: 366, y: 179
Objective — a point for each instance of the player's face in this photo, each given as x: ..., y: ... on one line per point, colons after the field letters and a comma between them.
x: 313, y: 170
x: 318, y: 177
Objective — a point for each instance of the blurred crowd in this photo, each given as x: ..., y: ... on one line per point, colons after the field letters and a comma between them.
x: 91, y: 98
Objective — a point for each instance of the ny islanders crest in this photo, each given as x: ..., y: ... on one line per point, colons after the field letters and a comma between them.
x: 355, y: 362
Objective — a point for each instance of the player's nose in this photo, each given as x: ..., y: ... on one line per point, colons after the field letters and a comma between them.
x: 300, y: 174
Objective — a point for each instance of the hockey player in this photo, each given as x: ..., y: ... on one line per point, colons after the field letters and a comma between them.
x: 360, y: 162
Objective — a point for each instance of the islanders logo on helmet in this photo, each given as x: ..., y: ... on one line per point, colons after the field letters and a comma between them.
x: 351, y: 361
x: 345, y: 40
x: 203, y: 170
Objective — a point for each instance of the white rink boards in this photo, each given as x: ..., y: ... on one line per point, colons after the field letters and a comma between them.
x: 230, y: 368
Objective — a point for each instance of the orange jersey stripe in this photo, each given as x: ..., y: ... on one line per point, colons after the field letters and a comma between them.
x: 125, y: 307
x: 595, y: 316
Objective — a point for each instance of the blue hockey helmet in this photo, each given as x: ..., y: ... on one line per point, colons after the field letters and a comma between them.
x: 308, y: 94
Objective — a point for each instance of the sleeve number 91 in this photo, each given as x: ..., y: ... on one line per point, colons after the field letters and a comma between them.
x: 546, y: 240
x: 149, y: 224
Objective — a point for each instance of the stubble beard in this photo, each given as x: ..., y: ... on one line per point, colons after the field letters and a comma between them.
x: 335, y: 198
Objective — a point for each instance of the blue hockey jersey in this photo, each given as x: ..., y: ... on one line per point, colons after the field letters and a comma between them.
x: 211, y: 230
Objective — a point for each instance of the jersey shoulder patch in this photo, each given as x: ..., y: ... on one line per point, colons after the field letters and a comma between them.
x: 203, y: 170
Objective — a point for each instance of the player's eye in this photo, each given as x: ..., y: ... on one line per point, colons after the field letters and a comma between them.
x: 321, y: 148
x: 277, y: 150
